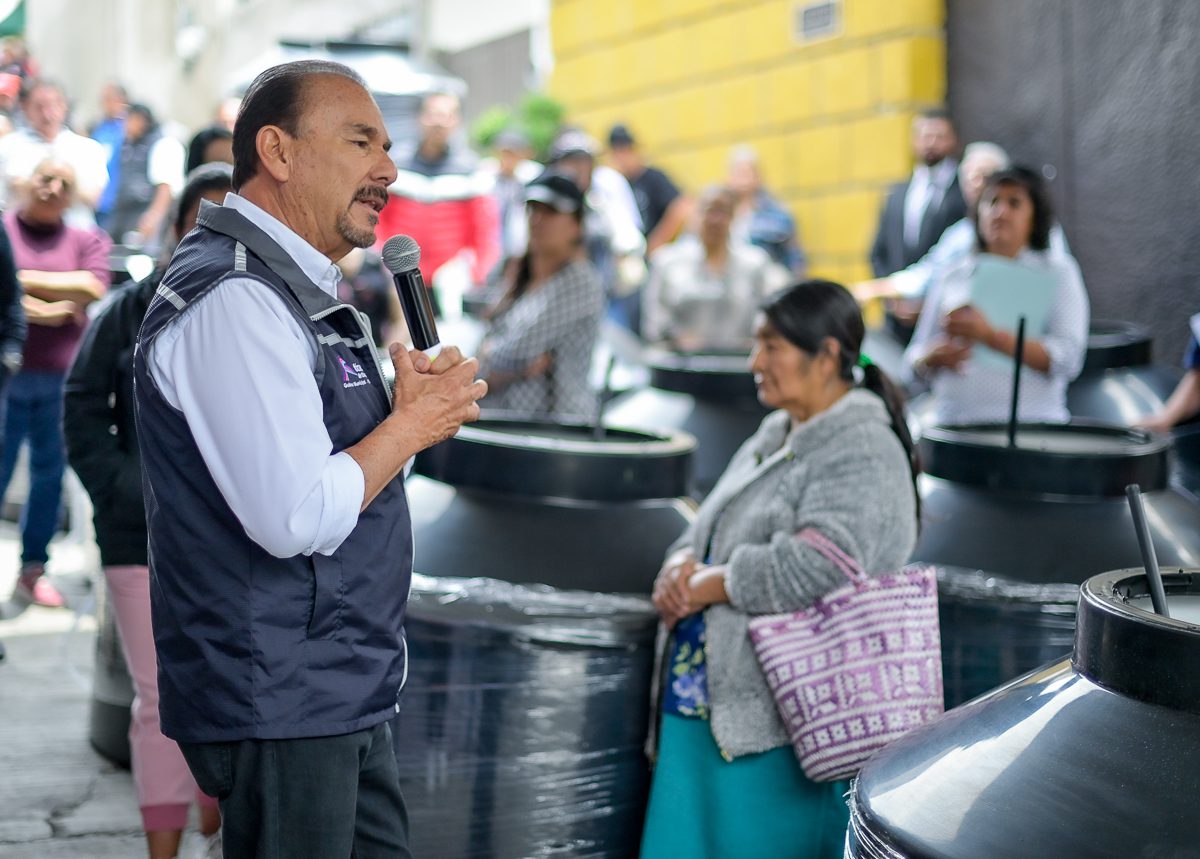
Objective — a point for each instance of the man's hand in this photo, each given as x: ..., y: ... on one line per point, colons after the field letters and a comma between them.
x: 432, y: 400
x: 438, y: 399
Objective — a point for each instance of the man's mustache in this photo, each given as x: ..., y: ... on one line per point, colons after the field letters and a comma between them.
x: 372, y: 192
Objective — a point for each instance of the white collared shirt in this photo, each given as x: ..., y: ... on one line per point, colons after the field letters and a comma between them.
x: 927, y: 188
x: 239, y: 365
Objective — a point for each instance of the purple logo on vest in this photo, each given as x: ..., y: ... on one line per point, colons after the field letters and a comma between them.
x: 353, y: 375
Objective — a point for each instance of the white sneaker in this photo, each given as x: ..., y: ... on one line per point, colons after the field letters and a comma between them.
x: 212, y: 846
x: 197, y: 845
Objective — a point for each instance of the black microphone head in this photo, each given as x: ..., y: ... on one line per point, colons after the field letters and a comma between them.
x: 401, y: 254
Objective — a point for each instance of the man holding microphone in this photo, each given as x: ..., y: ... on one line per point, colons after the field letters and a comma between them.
x: 280, y: 540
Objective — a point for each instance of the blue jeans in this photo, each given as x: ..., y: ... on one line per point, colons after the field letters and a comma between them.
x: 34, y: 411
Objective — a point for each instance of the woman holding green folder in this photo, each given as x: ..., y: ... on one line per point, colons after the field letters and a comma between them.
x: 966, y: 336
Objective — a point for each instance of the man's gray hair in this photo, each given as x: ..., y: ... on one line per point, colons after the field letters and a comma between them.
x: 984, y: 149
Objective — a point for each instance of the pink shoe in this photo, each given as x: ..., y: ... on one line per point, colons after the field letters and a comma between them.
x: 34, y: 587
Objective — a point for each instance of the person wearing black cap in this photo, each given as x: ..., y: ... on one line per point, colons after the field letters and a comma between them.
x: 537, y: 351
x: 612, y: 231
x: 663, y: 208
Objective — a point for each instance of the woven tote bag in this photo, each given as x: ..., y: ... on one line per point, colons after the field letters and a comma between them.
x: 859, y: 668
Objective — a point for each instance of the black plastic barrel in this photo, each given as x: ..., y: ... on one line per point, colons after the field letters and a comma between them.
x: 1015, y: 530
x: 1094, y: 756
x: 1119, y: 383
x: 709, y: 395
x: 112, y: 688
x: 522, y: 726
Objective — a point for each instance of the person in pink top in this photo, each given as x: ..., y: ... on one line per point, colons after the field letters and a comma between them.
x: 62, y: 270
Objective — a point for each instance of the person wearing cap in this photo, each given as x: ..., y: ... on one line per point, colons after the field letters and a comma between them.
x: 512, y: 169
x: 10, y: 92
x: 612, y: 227
x: 662, y: 207
x: 102, y: 448
x: 537, y: 350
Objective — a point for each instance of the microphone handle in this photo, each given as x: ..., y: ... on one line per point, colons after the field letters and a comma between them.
x: 418, y: 311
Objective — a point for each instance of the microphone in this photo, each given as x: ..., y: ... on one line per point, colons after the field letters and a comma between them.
x: 401, y: 254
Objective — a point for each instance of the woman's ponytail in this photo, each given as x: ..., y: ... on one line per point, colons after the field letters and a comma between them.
x: 877, y: 382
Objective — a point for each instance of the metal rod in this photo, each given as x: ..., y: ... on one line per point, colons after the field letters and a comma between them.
x: 1016, y: 390
x: 1158, y: 596
x: 602, y: 400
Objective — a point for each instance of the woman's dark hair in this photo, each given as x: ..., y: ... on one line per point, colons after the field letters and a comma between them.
x: 807, y: 313
x: 1043, y: 210
x: 216, y: 176
x: 522, y: 276
x: 276, y: 97
x: 199, y: 143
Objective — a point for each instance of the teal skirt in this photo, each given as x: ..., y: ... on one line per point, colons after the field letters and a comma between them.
x: 754, y: 807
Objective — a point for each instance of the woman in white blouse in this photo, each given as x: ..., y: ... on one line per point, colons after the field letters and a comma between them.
x: 1014, y: 219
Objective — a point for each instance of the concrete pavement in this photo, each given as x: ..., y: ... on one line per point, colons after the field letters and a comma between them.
x: 58, y: 798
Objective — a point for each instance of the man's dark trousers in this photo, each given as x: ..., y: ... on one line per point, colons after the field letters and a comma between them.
x: 319, y: 798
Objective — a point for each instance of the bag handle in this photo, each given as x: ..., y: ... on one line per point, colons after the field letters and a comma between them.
x: 832, y: 552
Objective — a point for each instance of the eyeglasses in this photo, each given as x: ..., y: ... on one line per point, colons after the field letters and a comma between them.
x: 50, y: 178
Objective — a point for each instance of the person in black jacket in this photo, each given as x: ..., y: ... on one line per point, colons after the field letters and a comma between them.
x: 918, y: 211
x: 98, y: 398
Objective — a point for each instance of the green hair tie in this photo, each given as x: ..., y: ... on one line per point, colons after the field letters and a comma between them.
x: 864, y: 361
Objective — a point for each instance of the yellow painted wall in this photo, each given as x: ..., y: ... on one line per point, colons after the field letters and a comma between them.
x: 830, y: 119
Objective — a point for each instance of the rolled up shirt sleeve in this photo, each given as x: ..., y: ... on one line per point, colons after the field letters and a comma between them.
x: 239, y: 366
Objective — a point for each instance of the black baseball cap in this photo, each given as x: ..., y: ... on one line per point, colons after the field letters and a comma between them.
x: 556, y: 190
x: 620, y: 136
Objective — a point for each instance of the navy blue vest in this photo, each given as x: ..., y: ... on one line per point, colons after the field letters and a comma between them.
x: 251, y: 646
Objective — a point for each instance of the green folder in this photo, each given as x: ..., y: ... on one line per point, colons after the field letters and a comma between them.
x: 1004, y: 291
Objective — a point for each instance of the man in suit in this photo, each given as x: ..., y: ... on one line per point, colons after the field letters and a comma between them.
x: 919, y: 210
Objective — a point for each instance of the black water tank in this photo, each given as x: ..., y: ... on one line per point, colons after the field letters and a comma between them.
x: 522, y: 726
x: 709, y: 395
x: 1095, y: 756
x: 1012, y: 526
x: 1118, y: 383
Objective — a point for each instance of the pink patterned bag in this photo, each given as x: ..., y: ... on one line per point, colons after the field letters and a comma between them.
x: 859, y: 668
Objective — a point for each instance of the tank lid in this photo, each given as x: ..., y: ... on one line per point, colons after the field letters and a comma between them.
x: 540, y: 459
x: 720, y: 376
x: 1082, y: 458
x: 1112, y: 343
x: 1121, y: 644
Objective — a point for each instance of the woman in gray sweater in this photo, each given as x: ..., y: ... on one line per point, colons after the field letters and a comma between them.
x: 835, y: 456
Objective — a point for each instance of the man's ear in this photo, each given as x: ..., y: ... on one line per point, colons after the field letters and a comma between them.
x: 276, y: 150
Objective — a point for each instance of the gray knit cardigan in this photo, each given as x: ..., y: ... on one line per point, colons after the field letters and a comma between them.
x: 843, y: 472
